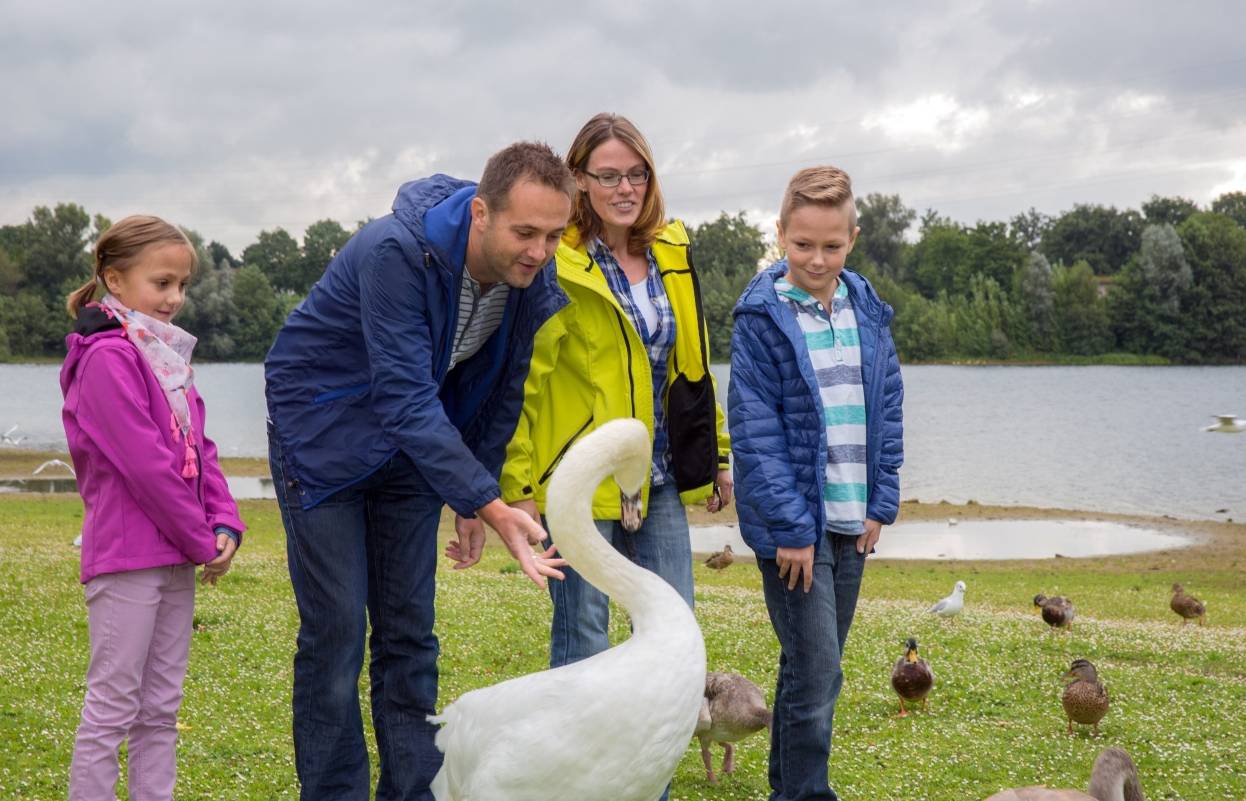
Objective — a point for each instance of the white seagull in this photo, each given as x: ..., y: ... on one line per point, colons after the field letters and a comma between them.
x: 1229, y: 424
x: 54, y: 463
x: 8, y: 439
x: 952, y: 605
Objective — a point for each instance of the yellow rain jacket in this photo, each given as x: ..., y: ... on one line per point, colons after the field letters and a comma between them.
x: 589, y: 365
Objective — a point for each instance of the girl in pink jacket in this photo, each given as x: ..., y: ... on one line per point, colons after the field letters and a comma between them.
x: 156, y: 503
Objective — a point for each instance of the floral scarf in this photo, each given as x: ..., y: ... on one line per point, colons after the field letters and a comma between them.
x: 167, y: 350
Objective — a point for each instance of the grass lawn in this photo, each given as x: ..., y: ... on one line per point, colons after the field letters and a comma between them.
x: 1178, y: 694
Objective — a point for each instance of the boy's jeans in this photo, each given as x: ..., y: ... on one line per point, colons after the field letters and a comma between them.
x: 812, y: 628
x: 367, y: 553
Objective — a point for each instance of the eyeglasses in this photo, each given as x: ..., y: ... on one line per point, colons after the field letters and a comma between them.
x: 610, y: 180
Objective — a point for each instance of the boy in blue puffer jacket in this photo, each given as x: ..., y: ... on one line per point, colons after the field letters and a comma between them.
x: 815, y: 413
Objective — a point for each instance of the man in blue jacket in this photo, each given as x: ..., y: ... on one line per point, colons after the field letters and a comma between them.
x: 393, y: 390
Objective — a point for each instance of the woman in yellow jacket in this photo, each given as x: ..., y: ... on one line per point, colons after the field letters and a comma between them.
x: 631, y: 343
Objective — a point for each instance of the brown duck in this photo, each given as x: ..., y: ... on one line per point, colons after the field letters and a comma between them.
x: 720, y: 559
x: 733, y: 708
x: 1057, y: 612
x: 1085, y: 699
x: 911, y: 677
x: 1114, y: 778
x: 1189, y: 607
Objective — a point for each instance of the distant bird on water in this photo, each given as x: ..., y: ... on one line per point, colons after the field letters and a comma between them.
x: 1228, y: 424
x: 720, y: 559
x: 952, y: 605
x: 8, y: 437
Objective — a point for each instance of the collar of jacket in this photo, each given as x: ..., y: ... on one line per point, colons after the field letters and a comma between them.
x: 575, y: 265
x: 760, y: 295
x: 437, y: 212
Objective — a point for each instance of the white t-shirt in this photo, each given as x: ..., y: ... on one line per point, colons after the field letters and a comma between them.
x: 644, y: 303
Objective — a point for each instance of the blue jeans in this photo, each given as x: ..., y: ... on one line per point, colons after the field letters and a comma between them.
x: 365, y: 554
x: 812, y: 628
x: 661, y: 544
x: 582, y: 612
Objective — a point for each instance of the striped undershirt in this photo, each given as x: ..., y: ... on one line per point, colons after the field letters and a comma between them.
x: 480, y: 314
x: 835, y: 350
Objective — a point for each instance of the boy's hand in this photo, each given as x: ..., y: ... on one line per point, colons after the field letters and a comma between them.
x: 866, y: 542
x: 793, y: 563
x: 466, y: 550
x: 212, y: 571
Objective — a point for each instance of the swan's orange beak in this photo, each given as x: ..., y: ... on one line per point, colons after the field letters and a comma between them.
x: 632, y: 511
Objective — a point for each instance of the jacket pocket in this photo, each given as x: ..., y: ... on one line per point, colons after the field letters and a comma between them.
x: 549, y: 471
x: 343, y: 392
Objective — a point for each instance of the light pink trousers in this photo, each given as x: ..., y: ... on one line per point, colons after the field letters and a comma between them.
x: 140, y: 623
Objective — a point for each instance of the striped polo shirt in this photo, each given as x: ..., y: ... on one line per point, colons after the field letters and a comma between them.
x: 480, y: 314
x: 835, y: 351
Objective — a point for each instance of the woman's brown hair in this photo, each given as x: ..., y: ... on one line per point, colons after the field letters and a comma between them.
x: 119, y: 249
x: 601, y: 128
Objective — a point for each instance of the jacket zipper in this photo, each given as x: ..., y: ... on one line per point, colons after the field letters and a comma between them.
x: 563, y: 450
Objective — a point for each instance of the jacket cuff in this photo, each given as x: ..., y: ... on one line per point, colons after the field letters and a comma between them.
x: 236, y: 536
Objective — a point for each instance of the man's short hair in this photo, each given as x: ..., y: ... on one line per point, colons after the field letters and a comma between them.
x: 819, y: 186
x: 523, y: 161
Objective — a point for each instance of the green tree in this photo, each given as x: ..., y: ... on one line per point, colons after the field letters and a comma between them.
x: 1027, y: 228
x: 277, y: 255
x: 259, y: 313
x: 32, y: 325
x: 725, y: 253
x: 1168, y: 210
x: 1082, y: 325
x: 1233, y: 205
x: 210, y: 313
x: 219, y: 254
x: 1099, y: 235
x: 10, y: 274
x: 56, y: 250
x: 1145, y: 302
x: 1034, y: 293
x: 321, y: 242
x: 1214, y: 307
x: 936, y: 261
x: 984, y: 318
x: 884, y: 219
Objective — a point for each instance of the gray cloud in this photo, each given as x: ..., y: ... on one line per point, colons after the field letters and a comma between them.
x: 232, y: 117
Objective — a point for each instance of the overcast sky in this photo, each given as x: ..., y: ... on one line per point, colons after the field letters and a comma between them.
x: 231, y: 117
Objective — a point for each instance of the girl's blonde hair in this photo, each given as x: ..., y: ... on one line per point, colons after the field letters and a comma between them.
x: 599, y: 129
x: 119, y: 249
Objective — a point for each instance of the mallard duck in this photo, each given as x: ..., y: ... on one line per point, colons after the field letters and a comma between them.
x: 952, y: 605
x: 1085, y: 699
x: 912, y: 678
x: 720, y: 559
x: 732, y: 709
x: 1114, y: 778
x: 608, y: 728
x: 1189, y: 607
x: 1057, y: 612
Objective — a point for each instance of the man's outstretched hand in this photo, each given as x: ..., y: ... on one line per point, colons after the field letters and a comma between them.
x: 519, y: 532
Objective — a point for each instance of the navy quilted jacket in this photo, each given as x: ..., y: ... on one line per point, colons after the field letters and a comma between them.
x: 360, y: 369
x: 774, y: 411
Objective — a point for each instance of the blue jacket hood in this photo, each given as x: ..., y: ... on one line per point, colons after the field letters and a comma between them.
x: 432, y: 209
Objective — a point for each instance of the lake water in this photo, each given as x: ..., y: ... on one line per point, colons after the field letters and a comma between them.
x: 1116, y: 439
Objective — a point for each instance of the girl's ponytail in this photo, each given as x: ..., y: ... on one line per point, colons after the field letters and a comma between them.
x: 81, y: 297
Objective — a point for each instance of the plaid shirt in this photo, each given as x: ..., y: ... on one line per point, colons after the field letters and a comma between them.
x: 658, y: 342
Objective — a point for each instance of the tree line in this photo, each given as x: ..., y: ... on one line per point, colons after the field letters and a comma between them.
x: 1163, y: 283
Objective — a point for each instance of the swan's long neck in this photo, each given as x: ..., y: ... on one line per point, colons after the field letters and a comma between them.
x: 643, y: 594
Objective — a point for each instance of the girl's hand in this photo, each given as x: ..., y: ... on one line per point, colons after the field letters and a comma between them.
x: 212, y: 571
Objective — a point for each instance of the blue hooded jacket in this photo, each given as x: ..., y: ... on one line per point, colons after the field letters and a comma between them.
x: 360, y: 370
x: 774, y: 410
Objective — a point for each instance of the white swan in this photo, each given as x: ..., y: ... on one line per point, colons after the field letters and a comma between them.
x: 613, y: 726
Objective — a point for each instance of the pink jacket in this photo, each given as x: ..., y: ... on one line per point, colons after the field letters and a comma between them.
x: 139, y: 511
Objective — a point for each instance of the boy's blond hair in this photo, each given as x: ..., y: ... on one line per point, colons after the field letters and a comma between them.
x: 819, y: 186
